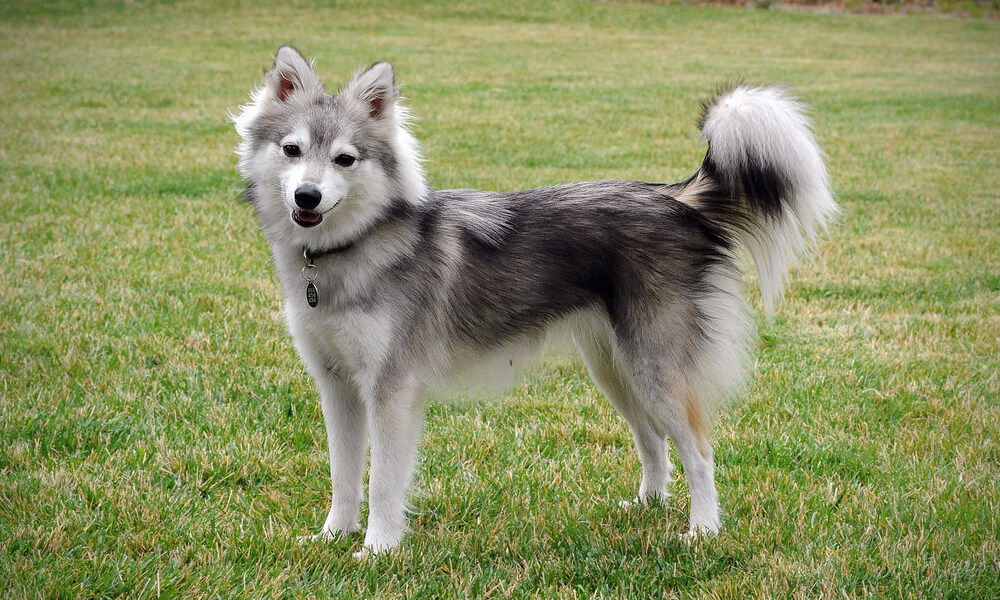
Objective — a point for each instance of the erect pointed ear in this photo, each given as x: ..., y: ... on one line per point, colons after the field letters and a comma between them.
x: 376, y: 88
x: 291, y: 75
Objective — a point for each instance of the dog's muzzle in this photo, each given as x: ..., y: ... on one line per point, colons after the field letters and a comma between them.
x: 307, y: 198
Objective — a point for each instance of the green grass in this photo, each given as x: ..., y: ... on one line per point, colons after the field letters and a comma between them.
x: 158, y: 436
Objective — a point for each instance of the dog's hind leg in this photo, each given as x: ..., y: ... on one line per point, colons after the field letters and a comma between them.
x: 677, y: 409
x: 690, y: 436
x: 598, y: 350
x: 662, y: 383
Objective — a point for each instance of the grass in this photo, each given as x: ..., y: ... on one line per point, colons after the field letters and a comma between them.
x: 159, y: 437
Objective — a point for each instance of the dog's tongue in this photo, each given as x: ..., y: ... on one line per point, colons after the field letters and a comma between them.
x: 308, y: 216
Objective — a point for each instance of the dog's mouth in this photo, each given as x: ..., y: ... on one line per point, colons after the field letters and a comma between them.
x: 307, y: 218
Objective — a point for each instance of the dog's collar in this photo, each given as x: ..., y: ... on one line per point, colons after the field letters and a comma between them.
x: 310, y: 272
x: 310, y: 254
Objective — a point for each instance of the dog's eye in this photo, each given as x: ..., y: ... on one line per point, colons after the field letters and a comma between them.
x: 344, y: 160
x: 292, y: 150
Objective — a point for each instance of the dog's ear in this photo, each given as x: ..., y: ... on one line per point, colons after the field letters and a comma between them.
x: 375, y: 87
x: 291, y: 75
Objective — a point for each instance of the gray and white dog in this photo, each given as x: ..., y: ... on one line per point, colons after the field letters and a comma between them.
x: 392, y: 287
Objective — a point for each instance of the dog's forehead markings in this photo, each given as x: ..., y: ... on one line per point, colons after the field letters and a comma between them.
x: 342, y: 145
x: 299, y: 136
x: 326, y: 129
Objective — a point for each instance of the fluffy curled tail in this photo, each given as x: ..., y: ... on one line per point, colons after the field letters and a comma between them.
x: 763, y: 179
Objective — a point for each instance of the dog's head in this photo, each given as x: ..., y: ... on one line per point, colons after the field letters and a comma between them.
x: 320, y: 168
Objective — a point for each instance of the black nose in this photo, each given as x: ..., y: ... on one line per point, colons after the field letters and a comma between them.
x: 307, y: 196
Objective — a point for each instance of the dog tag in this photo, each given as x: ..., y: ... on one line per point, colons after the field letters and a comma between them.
x: 309, y: 273
x: 312, y: 295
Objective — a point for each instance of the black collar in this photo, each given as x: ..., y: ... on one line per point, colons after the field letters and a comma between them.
x: 311, y: 255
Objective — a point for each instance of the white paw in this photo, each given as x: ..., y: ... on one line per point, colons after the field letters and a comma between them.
x: 700, y: 532
x: 361, y: 555
x: 322, y: 536
x: 325, y: 535
x: 370, y: 552
x: 629, y: 504
x: 648, y: 500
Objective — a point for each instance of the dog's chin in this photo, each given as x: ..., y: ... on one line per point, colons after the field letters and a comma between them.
x: 306, y: 218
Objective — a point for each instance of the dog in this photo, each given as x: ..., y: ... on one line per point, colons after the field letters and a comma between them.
x: 393, y: 287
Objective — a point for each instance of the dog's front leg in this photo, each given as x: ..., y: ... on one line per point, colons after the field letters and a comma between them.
x: 395, y: 422
x: 346, y: 420
x: 347, y: 440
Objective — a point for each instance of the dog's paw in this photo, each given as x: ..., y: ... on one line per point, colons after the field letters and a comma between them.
x: 642, y: 501
x: 370, y: 553
x: 363, y: 555
x: 630, y: 504
x: 325, y: 535
x: 379, y: 542
x: 700, y: 532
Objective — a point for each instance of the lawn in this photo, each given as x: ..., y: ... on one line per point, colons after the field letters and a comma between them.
x: 158, y: 436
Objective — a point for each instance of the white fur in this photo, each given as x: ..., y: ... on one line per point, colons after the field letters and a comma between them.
x: 768, y: 124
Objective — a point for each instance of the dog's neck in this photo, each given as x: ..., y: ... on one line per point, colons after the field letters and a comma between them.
x: 392, y: 248
x: 399, y: 212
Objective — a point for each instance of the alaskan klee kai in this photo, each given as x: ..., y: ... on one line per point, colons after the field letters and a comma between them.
x: 392, y: 287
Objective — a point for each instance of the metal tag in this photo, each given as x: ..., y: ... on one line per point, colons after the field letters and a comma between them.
x: 312, y: 295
